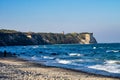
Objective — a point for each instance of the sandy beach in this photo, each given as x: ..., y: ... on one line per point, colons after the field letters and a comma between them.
x: 12, y: 68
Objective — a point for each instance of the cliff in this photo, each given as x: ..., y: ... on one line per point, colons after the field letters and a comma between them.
x: 11, y: 37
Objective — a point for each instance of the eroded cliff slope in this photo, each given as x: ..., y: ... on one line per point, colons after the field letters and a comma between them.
x: 11, y: 37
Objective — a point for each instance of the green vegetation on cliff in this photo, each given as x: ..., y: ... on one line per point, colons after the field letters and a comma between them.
x: 12, y: 37
x: 7, y: 31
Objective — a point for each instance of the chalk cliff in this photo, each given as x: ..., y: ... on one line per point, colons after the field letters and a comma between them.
x: 11, y: 37
x: 87, y: 38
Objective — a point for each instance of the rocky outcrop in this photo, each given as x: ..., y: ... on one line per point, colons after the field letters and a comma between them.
x: 11, y: 37
x: 87, y: 38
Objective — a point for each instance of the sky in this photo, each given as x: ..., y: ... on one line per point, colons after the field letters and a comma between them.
x: 101, y: 17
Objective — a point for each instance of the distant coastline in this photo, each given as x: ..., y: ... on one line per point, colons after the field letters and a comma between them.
x: 12, y: 37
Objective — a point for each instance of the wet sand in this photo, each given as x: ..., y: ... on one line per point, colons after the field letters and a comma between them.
x: 12, y: 68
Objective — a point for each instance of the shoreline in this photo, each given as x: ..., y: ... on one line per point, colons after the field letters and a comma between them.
x: 17, y: 68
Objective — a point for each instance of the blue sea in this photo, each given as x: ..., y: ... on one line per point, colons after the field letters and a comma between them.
x: 103, y: 59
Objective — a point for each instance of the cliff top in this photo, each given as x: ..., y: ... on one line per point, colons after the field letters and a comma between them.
x: 14, y: 31
x: 7, y: 31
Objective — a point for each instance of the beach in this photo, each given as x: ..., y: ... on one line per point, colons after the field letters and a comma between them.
x: 13, y: 68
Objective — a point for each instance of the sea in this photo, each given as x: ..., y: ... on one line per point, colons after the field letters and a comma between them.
x: 102, y: 58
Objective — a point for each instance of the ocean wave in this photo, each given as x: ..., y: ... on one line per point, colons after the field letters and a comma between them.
x: 112, y: 68
x: 48, y: 57
x: 35, y: 46
x: 115, y: 51
x: 94, y: 47
x: 64, y: 61
x: 112, y: 62
x: 34, y: 58
x: 75, y: 54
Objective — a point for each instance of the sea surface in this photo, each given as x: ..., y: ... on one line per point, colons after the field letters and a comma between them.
x: 101, y: 59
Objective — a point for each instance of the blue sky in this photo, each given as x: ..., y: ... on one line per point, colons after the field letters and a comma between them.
x: 102, y: 17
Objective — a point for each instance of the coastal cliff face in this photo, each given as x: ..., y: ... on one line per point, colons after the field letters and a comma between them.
x: 11, y: 37
x: 87, y: 38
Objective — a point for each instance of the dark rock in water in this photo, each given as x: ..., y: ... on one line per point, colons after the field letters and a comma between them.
x: 54, y: 54
x: 5, y: 53
x: 14, y: 54
x: 40, y: 52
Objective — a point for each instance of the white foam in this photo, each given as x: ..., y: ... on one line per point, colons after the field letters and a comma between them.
x: 63, y: 61
x: 35, y: 46
x: 115, y: 51
x: 75, y: 54
x: 34, y: 58
x: 112, y: 61
x: 112, y: 68
x: 94, y: 47
x: 47, y: 57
